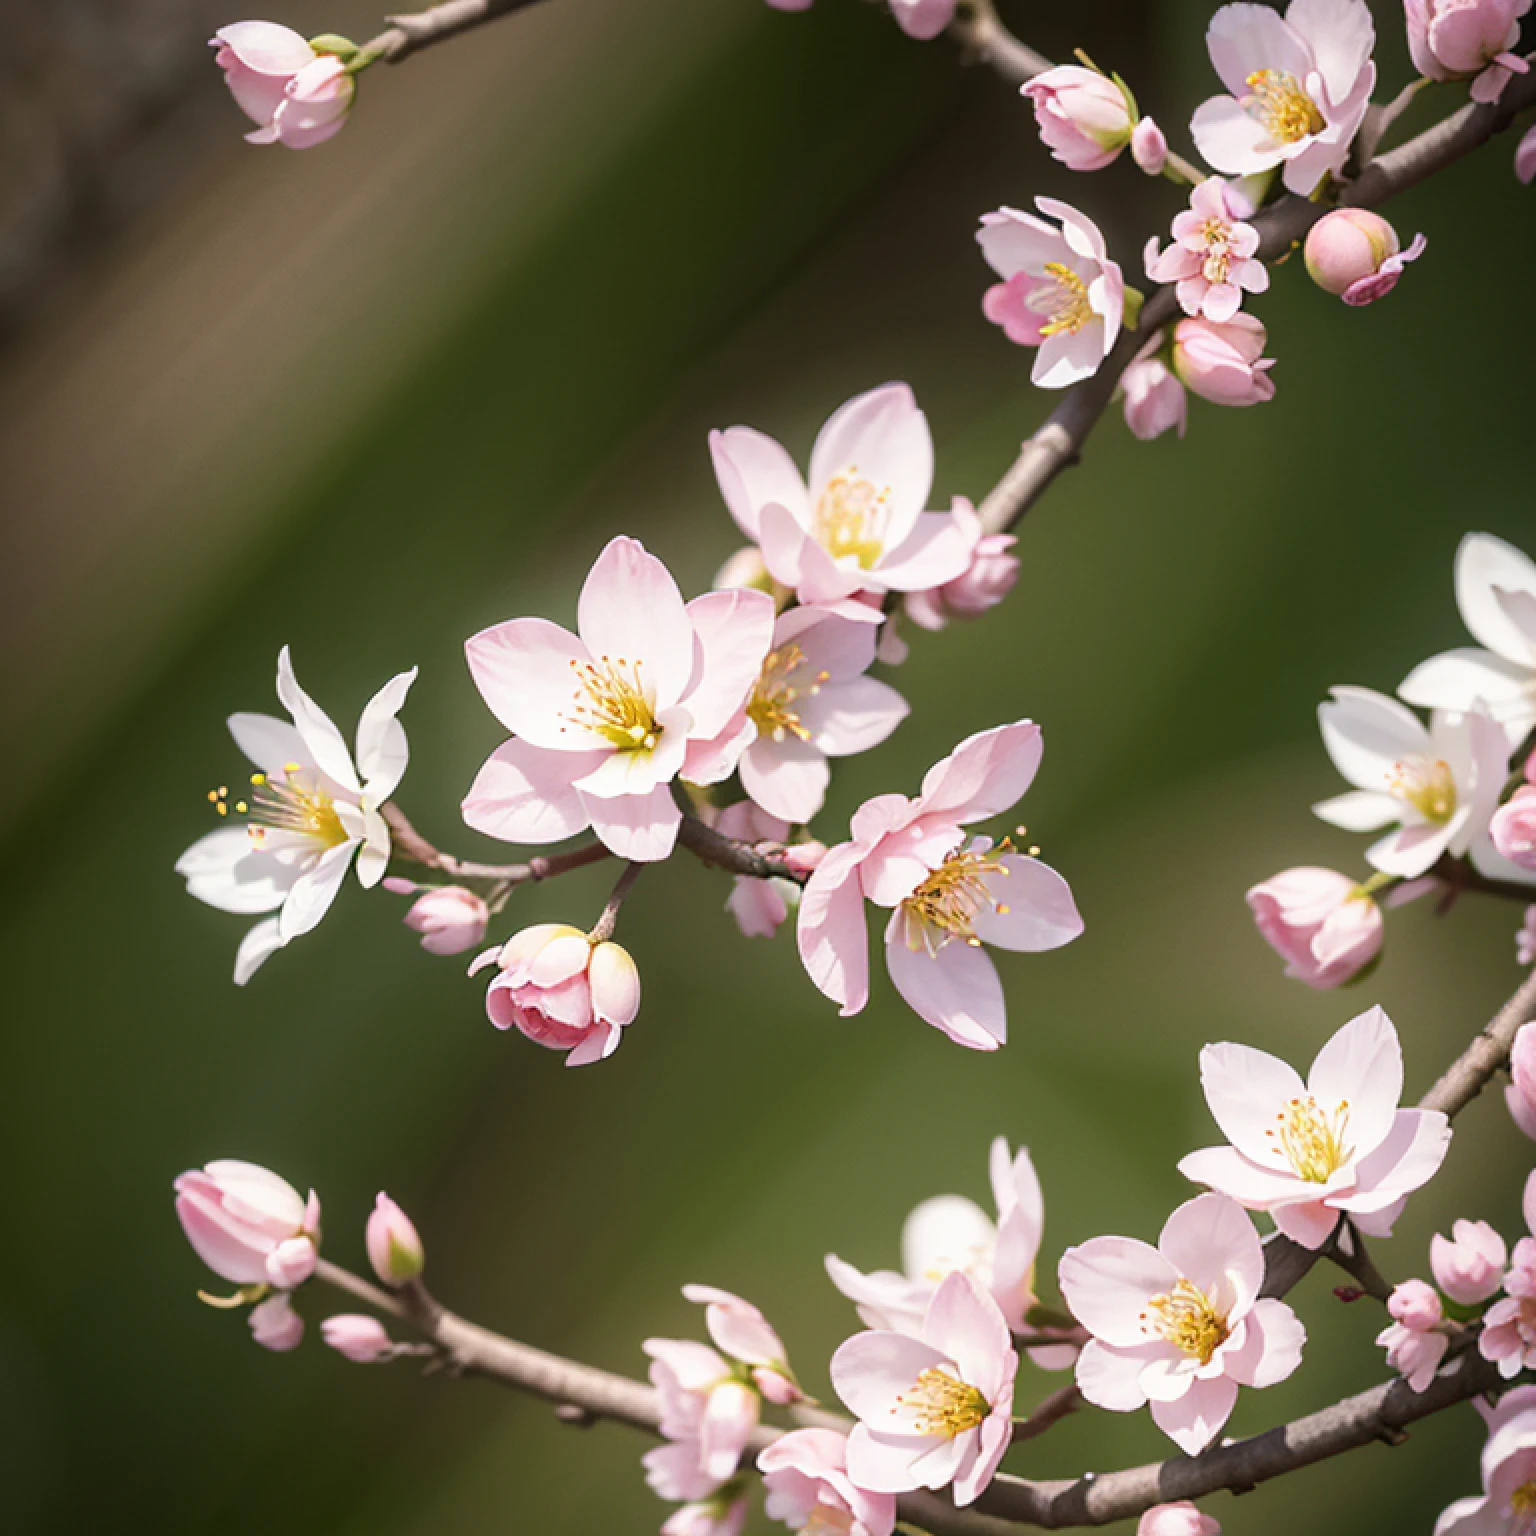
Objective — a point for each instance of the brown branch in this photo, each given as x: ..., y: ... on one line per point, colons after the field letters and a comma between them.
x: 411, y: 33
x: 1460, y: 876
x: 406, y: 841
x: 1468, y: 1075
x: 729, y: 853
x: 985, y: 40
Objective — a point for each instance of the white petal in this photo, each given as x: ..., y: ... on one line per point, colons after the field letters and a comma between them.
x: 1367, y: 733
x: 326, y: 748
x: 315, y: 890
x: 1359, y: 810
x: 382, y: 752
x: 1483, y: 563
x: 261, y: 941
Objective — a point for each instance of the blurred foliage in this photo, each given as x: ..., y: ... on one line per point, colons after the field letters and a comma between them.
x: 791, y: 227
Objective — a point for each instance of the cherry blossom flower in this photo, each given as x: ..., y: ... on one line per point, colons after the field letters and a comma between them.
x: 1299, y: 89
x: 1496, y: 593
x: 1155, y: 400
x: 450, y: 918
x: 1467, y: 40
x: 1508, y: 1502
x: 275, y: 1325
x: 1060, y: 291
x: 1336, y: 1144
x: 935, y: 1410
x: 1324, y: 925
x: 982, y: 585
x: 603, y: 721
x: 1469, y: 1265
x: 562, y: 990
x: 1508, y: 1338
x: 297, y: 96
x: 1356, y: 255
x: 759, y: 906
x: 947, y: 897
x: 713, y: 1506
x: 1085, y: 118
x: 1414, y: 1342
x: 805, y: 1476
x: 948, y: 1233
x: 1180, y: 1519
x: 1437, y: 787
x: 1149, y: 147
x: 248, y: 1225
x: 1212, y: 261
x: 394, y: 1245
x: 362, y: 1339
x: 741, y: 1332
x: 859, y: 524
x: 1520, y: 1095
x: 1513, y: 829
x: 1224, y: 363
x: 309, y: 814
x: 705, y: 1405
x: 1181, y: 1325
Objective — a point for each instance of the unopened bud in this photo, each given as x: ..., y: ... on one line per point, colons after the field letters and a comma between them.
x: 1355, y: 254
x: 394, y: 1246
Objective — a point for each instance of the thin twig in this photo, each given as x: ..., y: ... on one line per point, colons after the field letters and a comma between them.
x: 411, y: 33
x: 406, y: 841
x: 602, y: 930
x: 984, y: 39
x: 1460, y: 876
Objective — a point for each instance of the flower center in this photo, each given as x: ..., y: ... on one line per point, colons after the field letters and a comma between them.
x: 612, y: 702
x: 772, y: 705
x: 1064, y: 298
x: 1278, y: 101
x: 1312, y: 1139
x: 850, y: 518
x: 945, y: 905
x: 1427, y: 784
x: 944, y: 1405
x: 1188, y: 1319
x: 1522, y: 1506
x: 1217, y: 235
x: 294, y: 803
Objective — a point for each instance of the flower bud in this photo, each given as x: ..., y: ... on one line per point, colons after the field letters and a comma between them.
x: 1084, y: 118
x: 1222, y: 363
x: 1514, y: 828
x: 984, y: 583
x: 394, y: 1247
x: 1415, y: 1305
x: 1468, y: 1266
x: 1181, y: 1519
x: 1319, y: 922
x: 1355, y: 254
x: 450, y: 919
x: 1414, y: 1354
x: 1467, y: 40
x: 744, y: 569
x: 803, y: 858
x: 248, y: 1225
x: 1520, y: 1096
x: 297, y: 96
x: 275, y: 1325
x: 358, y: 1337
x: 1149, y: 147
x: 1155, y: 401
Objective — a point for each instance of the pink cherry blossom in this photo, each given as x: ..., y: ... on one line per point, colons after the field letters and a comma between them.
x: 1149, y: 147
x: 1467, y: 39
x: 1525, y: 156
x: 805, y: 1476
x: 1180, y: 1519
x: 1414, y: 1342
x: 923, y: 19
x: 947, y: 897
x: 296, y: 96
x: 1321, y: 923
x: 745, y: 1335
x: 248, y: 1225
x: 1155, y: 401
x: 1336, y: 1144
x: 604, y: 720
x: 713, y: 1506
x: 360, y: 1338
x: 1509, y: 1326
x: 1224, y: 363
x: 858, y: 524
x: 1299, y: 89
x: 948, y: 1233
x: 759, y: 906
x: 561, y: 990
x: 450, y: 918
x: 982, y: 585
x: 1181, y: 1325
x: 934, y: 1411
x: 1469, y: 1265
x: 1520, y: 1095
x: 1355, y: 254
x: 705, y: 1405
x: 1436, y: 786
x: 275, y: 1325
x: 1060, y: 291
x: 1508, y: 1473
x: 394, y: 1245
x: 1513, y: 828
x: 1212, y: 260
x: 724, y: 1515
x: 1085, y: 118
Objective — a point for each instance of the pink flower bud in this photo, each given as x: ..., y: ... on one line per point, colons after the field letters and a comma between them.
x: 1149, y: 148
x: 1520, y: 1095
x: 1467, y: 40
x: 563, y: 991
x: 1514, y: 828
x: 1414, y: 1355
x: 1084, y: 118
x: 1525, y: 156
x: 1155, y: 401
x: 1222, y: 363
x: 296, y: 96
x: 358, y: 1337
x: 984, y: 583
x: 1415, y: 1305
x: 1468, y: 1267
x: 745, y: 568
x: 1181, y: 1519
x: 1355, y: 254
x: 449, y: 918
x: 1319, y: 922
x: 247, y: 1224
x: 394, y: 1247
x: 740, y: 1331
x: 275, y: 1325
x: 1520, y: 1282
x: 804, y: 857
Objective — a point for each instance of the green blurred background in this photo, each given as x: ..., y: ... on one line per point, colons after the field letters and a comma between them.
x: 367, y: 400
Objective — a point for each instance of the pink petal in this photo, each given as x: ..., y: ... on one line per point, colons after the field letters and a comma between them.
x: 1198, y: 1417
x: 1229, y: 139
x: 1245, y: 1090
x: 1211, y: 1241
x: 1341, y: 36
x: 631, y: 610
x: 885, y: 438
x: 1111, y: 1378
x: 1106, y: 1281
x: 1035, y: 910
x: 784, y: 542
x: 844, y: 718
x: 754, y: 470
x: 1361, y: 1066
x: 526, y: 672
x: 1308, y: 1222
x: 871, y: 1371
x: 1227, y: 1171
x: 218, y: 1243
x: 994, y: 1437
x: 642, y: 828
x: 938, y: 549
x: 524, y: 794
x: 964, y: 1324
x: 715, y: 760
x: 831, y: 934
x: 267, y: 47
x: 985, y: 775
x: 787, y: 778
x: 957, y: 990
x: 735, y: 630
x: 1243, y: 39
x: 1408, y: 1158
x: 881, y: 1463
x: 1271, y: 1347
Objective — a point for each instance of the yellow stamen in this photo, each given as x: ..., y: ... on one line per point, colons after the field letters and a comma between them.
x: 944, y: 1405
x: 1188, y: 1319
x: 612, y: 701
x: 1312, y: 1138
x: 772, y: 707
x: 946, y: 904
x: 1064, y: 299
x: 298, y: 804
x: 1427, y: 784
x: 1279, y: 102
x: 850, y: 518
x: 1522, y: 1505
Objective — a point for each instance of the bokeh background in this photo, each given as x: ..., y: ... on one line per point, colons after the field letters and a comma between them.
x: 369, y: 399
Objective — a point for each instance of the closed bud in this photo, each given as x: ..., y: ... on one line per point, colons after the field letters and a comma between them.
x: 1469, y: 1265
x: 1149, y: 147
x: 360, y: 1338
x: 275, y: 1325
x: 449, y: 918
x: 1323, y: 925
x: 1356, y: 255
x: 1415, y: 1305
x: 394, y: 1247
x: 1084, y: 117
x: 1223, y: 363
x: 1514, y: 828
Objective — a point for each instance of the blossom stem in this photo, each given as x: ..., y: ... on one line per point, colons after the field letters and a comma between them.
x: 411, y: 33
x: 408, y: 843
x: 1181, y: 171
x: 603, y: 929
x: 1461, y: 877
x: 728, y: 853
x: 1048, y: 1412
x: 984, y: 38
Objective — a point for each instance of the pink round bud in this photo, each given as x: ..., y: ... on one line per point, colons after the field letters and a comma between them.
x: 1149, y: 147
x: 1514, y: 828
x: 1415, y: 1305
x: 450, y: 919
x: 248, y: 1225
x: 983, y: 584
x: 1468, y: 1266
x: 1181, y: 1519
x: 297, y: 96
x: 1084, y: 118
x: 275, y: 1325
x: 1222, y: 363
x: 358, y: 1337
x: 804, y: 858
x: 1356, y: 255
x: 1319, y: 922
x: 394, y: 1246
x: 563, y: 991
x: 1155, y: 401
